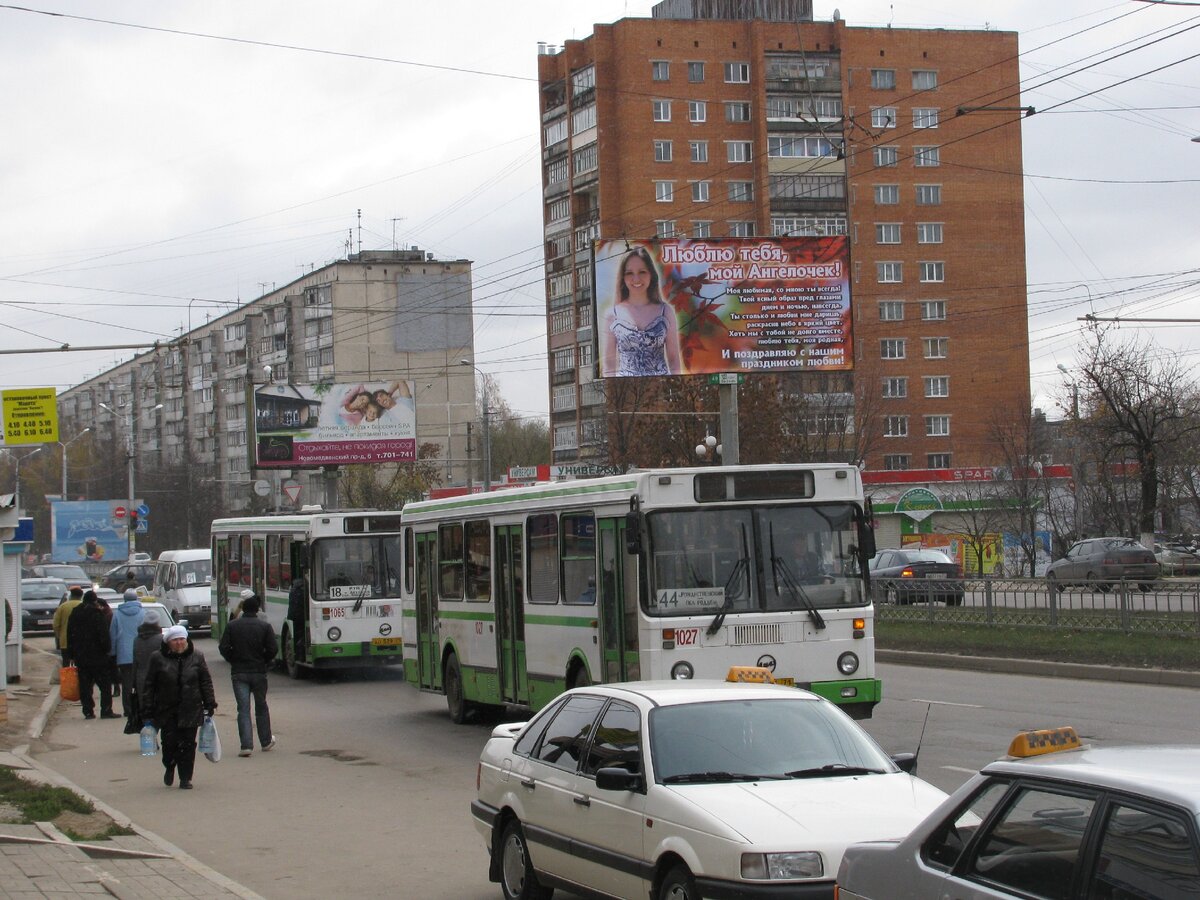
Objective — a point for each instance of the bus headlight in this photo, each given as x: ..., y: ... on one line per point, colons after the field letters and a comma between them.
x: 335, y: 634
x: 847, y: 663
x: 682, y: 671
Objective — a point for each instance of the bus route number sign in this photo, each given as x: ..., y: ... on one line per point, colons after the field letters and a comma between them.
x: 691, y: 598
x: 349, y: 591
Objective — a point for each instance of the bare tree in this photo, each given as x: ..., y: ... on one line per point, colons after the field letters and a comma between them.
x: 390, y: 487
x: 982, y: 510
x: 1020, y: 437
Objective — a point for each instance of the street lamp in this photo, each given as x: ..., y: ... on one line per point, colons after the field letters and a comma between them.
x: 1075, y: 449
x: 487, y: 430
x: 708, y: 449
x: 64, y: 458
x: 17, y: 491
x: 130, y: 448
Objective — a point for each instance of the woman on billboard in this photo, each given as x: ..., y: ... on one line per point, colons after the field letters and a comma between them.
x: 641, y: 336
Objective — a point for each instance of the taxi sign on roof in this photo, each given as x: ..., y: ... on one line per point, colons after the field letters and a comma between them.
x: 1046, y: 740
x: 754, y: 674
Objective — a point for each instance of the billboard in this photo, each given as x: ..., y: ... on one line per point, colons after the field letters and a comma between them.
x: 30, y: 416
x: 298, y: 426
x: 89, y: 531
x: 689, y: 306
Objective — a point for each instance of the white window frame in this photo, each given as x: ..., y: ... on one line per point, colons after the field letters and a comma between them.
x: 933, y: 310
x: 887, y: 194
x: 924, y: 79
x: 937, y: 425
x: 895, y: 388
x: 885, y: 157
x: 936, y: 347
x: 927, y: 157
x: 697, y: 111
x: 929, y: 233
x: 739, y: 151
x: 883, y: 79
x: 931, y: 272
x: 660, y: 70
x: 937, y: 460
x: 741, y: 228
x: 925, y: 116
x: 695, y: 72
x: 889, y: 272
x: 698, y: 151
x: 664, y: 228
x: 896, y: 462
x: 893, y: 348
x: 700, y: 191
x: 702, y: 228
x: 932, y: 194
x: 883, y: 117
x: 937, y: 385
x: 737, y: 111
x: 660, y: 110
x: 895, y: 426
x: 887, y: 232
x: 740, y: 191
x: 662, y: 150
x: 664, y: 191
x: 737, y: 72
x: 891, y: 310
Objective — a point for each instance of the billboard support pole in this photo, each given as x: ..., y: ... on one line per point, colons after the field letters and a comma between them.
x: 727, y: 393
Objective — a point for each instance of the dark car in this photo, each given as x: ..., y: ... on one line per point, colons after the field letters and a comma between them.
x: 1098, y: 562
x: 904, y: 576
x: 40, y: 597
x: 143, y: 573
x: 73, y: 575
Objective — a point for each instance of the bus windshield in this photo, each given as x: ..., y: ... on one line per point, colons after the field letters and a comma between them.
x: 761, y: 559
x: 356, y: 568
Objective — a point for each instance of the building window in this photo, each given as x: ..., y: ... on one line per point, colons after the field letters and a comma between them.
x: 661, y: 110
x: 936, y: 348
x: 929, y: 195
x: 895, y: 462
x: 887, y: 232
x: 889, y: 272
x: 737, y: 73
x: 883, y: 79
x: 664, y: 191
x: 741, y: 229
x: 887, y: 194
x: 701, y: 229
x: 826, y: 423
x: 738, y: 151
x: 563, y: 397
x: 585, y: 356
x: 937, y: 460
x: 562, y: 321
x: 558, y: 171
x: 929, y: 232
x: 895, y: 388
x: 885, y: 157
x: 891, y: 348
x: 933, y: 272
x: 737, y: 112
x: 895, y: 426
x: 699, y: 151
x: 937, y: 385
x: 583, y: 119
x: 933, y: 310
x: 808, y: 187
x: 664, y: 228
x: 927, y: 157
x: 741, y: 191
x: 660, y: 70
x: 583, y: 80
x: 925, y: 117
x: 554, y: 132
x: 697, y: 111
x: 924, y: 79
x: 883, y: 117
x: 891, y: 310
x: 695, y: 72
x: 700, y: 191
x: 558, y: 210
x: 798, y: 146
x: 566, y: 437
x: 662, y: 151
x: 585, y: 160
x: 564, y: 360
x: 790, y: 106
x: 937, y: 426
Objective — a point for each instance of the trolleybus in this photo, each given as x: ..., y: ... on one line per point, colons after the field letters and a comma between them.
x: 329, y: 583
x: 512, y: 596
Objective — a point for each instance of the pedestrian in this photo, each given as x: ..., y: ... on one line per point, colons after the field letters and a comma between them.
x: 179, y: 694
x: 297, y: 614
x: 148, y: 642
x: 130, y: 583
x: 88, y: 644
x: 249, y: 646
x: 61, y: 615
x: 113, y: 679
x: 121, y: 634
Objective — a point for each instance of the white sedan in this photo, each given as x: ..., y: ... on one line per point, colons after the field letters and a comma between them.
x: 682, y: 789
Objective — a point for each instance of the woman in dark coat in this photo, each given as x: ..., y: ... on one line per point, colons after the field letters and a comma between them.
x: 179, y: 693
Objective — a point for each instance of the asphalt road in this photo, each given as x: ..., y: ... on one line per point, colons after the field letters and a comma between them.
x: 369, y: 788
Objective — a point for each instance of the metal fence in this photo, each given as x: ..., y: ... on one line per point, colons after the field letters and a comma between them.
x: 1170, y: 606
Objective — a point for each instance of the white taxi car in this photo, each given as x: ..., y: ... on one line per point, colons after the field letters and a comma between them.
x: 677, y: 790
x: 1051, y: 820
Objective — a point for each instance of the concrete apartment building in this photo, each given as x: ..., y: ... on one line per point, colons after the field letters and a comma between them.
x: 377, y: 315
x: 717, y: 118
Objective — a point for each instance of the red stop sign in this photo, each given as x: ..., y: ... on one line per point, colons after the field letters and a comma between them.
x: 119, y: 512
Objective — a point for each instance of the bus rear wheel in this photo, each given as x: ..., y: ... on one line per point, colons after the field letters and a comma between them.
x: 456, y: 701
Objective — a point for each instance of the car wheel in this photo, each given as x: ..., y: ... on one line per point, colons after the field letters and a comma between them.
x: 679, y: 885
x: 456, y: 700
x: 954, y: 599
x: 517, y: 878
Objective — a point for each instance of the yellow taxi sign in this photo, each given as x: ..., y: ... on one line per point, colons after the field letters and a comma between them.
x: 753, y: 674
x: 1045, y: 740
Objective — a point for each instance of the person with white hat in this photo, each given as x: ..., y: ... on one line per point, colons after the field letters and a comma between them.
x: 249, y: 645
x: 179, y: 693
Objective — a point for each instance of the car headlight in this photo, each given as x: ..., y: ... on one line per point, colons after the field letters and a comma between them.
x: 782, y: 866
x: 682, y: 671
x: 847, y: 663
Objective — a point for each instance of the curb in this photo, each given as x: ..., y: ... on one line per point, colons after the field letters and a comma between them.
x: 1044, y: 668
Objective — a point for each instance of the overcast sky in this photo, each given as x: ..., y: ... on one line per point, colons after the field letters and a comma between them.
x: 155, y: 175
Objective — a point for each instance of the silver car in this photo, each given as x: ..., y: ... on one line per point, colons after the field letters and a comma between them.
x: 1098, y: 562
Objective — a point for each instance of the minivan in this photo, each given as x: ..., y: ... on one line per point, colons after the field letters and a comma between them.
x: 183, y: 584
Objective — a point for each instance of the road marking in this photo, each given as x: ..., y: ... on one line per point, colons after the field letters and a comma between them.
x: 960, y: 769
x: 946, y: 703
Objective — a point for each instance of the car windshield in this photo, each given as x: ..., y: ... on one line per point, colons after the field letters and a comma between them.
x: 196, y: 571
x: 751, y: 740
x: 73, y: 573
x: 43, y: 591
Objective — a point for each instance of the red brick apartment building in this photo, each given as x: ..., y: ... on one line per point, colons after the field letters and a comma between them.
x: 719, y: 118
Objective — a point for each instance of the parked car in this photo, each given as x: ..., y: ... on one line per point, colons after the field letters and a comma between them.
x: 73, y: 575
x: 1069, y: 822
x: 681, y: 789
x: 1178, y: 560
x: 1098, y: 562
x: 40, y: 597
x: 907, y: 575
x: 143, y: 572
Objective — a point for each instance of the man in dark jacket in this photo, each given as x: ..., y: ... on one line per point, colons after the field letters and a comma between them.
x: 88, y: 644
x: 249, y: 645
x: 179, y: 693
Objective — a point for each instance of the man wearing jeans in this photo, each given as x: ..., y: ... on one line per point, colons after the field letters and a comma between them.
x: 249, y: 646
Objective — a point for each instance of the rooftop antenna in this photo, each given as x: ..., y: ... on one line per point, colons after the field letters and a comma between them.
x: 394, y: 221
x: 360, y: 231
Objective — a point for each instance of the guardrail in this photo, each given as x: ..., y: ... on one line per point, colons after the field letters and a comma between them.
x: 1169, y: 606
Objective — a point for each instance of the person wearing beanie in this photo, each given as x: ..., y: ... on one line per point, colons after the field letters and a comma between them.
x: 61, y: 615
x: 88, y: 643
x: 179, y: 694
x: 249, y: 645
x: 122, y: 631
x: 149, y: 641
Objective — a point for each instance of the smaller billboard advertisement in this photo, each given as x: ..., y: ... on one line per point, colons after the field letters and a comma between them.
x: 89, y: 531
x: 29, y: 416
x: 298, y: 426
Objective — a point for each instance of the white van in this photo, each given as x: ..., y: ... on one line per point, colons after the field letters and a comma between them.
x: 183, y: 584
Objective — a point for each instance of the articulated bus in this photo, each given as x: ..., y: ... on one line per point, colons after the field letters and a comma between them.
x: 345, y: 613
x: 512, y: 596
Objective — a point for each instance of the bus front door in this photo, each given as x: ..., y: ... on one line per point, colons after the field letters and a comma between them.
x: 428, y: 656
x: 618, y: 604
x: 510, y: 614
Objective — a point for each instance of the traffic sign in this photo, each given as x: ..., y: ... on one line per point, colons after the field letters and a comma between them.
x: 726, y: 378
x: 118, y: 512
x: 143, y: 510
x: 143, y: 526
x: 292, y: 490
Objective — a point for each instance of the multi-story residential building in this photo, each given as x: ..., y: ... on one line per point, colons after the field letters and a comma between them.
x: 715, y: 119
x: 378, y: 315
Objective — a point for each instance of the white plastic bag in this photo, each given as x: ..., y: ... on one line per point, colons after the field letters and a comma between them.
x: 210, y: 740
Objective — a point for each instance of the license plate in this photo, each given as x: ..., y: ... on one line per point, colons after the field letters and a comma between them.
x: 385, y: 642
x: 936, y: 575
x: 789, y: 682
x: 45, y: 621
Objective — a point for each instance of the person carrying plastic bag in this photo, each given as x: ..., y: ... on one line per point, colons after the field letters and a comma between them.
x: 178, y: 695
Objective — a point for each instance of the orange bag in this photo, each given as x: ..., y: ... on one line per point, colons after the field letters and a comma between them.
x: 68, y: 683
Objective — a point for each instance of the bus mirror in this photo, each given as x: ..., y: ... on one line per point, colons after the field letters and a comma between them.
x: 633, y: 532
x: 866, y: 530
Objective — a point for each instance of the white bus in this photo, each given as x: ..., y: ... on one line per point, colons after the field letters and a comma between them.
x: 512, y: 596
x: 345, y: 613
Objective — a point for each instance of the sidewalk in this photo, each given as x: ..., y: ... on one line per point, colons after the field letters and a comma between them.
x: 40, y: 861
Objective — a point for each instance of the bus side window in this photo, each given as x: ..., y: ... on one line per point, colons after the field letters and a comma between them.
x: 450, y: 560
x: 579, y: 558
x: 541, y: 551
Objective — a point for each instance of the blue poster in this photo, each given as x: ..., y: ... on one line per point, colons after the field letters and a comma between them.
x: 88, y: 531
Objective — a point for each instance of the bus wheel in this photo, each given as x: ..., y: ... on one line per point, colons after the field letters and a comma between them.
x: 452, y: 683
x: 578, y: 677
x: 294, y: 669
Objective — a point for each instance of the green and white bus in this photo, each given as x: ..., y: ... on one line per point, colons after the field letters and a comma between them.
x: 512, y: 596
x: 345, y: 612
